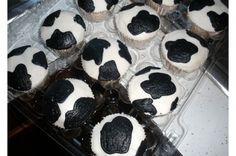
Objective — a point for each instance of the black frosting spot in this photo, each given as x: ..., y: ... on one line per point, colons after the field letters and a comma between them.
x: 49, y: 21
x: 40, y: 59
x: 145, y: 70
x: 86, y: 5
x: 145, y: 106
x: 83, y: 108
x: 18, y: 51
x: 116, y: 135
x: 158, y: 85
x: 93, y: 50
x: 80, y: 21
x: 143, y: 22
x: 56, y: 94
x: 174, y: 104
x: 201, y: 40
x: 19, y: 79
x: 196, y: 5
x: 60, y: 40
x: 130, y: 6
x: 219, y: 22
x: 108, y: 71
x: 180, y: 50
x: 124, y: 52
x: 110, y: 3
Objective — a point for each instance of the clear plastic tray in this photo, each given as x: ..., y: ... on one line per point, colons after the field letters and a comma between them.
x: 24, y: 30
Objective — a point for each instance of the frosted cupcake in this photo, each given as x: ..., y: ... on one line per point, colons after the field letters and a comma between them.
x: 183, y: 52
x: 163, y: 6
x: 68, y: 103
x: 63, y: 32
x: 154, y: 92
x: 27, y: 69
x: 96, y: 10
x: 117, y: 134
x: 105, y: 60
x: 137, y: 24
x: 209, y: 17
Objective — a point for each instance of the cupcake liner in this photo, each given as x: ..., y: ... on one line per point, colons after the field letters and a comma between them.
x: 161, y: 9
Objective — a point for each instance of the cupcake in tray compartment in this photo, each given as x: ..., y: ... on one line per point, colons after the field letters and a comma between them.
x: 154, y: 92
x: 183, y: 52
x: 163, y: 6
x: 96, y: 10
x: 105, y: 60
x: 27, y: 69
x: 209, y: 17
x: 137, y: 24
x: 63, y: 32
x: 68, y: 103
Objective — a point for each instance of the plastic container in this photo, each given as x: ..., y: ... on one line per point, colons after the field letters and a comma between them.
x: 25, y: 30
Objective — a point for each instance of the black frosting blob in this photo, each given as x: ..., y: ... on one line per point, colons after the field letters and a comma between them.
x: 219, y: 22
x: 86, y: 5
x: 143, y: 22
x: 83, y: 108
x: 196, y: 5
x: 110, y: 3
x: 124, y: 52
x: 116, y: 135
x: 130, y: 6
x: 49, y: 21
x: 201, y: 40
x: 19, y: 79
x: 174, y: 104
x: 60, y: 40
x: 80, y: 21
x: 93, y: 50
x: 108, y: 71
x: 146, y: 70
x: 158, y: 85
x: 40, y: 59
x: 180, y: 50
x: 18, y: 51
x: 145, y: 106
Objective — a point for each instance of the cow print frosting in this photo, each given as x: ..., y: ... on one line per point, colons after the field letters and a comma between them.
x: 17, y: 51
x: 108, y: 71
x: 40, y: 59
x: 130, y: 6
x: 116, y: 135
x: 124, y: 52
x: 87, y: 5
x: 143, y: 22
x: 20, y: 79
x: 201, y: 40
x: 180, y: 50
x: 146, y: 70
x: 60, y: 40
x: 110, y: 3
x: 49, y: 21
x: 80, y: 21
x: 174, y: 104
x: 219, y: 22
x: 83, y: 108
x: 94, y: 50
x: 200, y: 4
x: 145, y: 105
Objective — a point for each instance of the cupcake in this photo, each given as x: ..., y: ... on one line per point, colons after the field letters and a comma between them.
x: 163, y: 6
x: 209, y: 17
x: 117, y: 134
x: 63, y: 32
x: 154, y: 92
x: 68, y: 103
x: 105, y: 60
x: 137, y: 24
x: 96, y: 10
x: 27, y: 69
x: 183, y: 52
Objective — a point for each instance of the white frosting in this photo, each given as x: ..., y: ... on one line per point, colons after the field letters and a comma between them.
x: 38, y: 73
x: 201, y: 19
x: 197, y: 59
x: 167, y: 2
x: 101, y: 5
x: 123, y: 18
x: 65, y: 22
x: 162, y: 104
x: 81, y: 89
x: 138, y: 135
x: 111, y: 53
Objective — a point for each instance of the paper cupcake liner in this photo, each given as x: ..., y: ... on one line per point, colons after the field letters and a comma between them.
x: 161, y: 9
